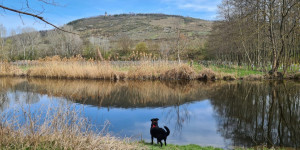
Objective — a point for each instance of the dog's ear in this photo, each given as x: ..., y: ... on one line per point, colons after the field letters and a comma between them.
x: 154, y: 119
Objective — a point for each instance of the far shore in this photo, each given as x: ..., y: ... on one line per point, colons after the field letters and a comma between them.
x: 78, y: 68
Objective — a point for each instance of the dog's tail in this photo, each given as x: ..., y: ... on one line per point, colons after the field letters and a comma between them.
x: 168, y: 131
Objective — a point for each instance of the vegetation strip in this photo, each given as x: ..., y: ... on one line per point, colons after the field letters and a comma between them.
x: 78, y: 68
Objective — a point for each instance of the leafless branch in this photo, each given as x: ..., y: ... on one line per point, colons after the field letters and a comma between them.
x: 35, y: 16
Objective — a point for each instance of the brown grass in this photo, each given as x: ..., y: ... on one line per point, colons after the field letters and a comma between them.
x: 77, y: 68
x: 297, y: 76
x: 6, y: 69
x: 207, y: 74
x: 60, y: 128
x: 181, y: 72
x: 253, y: 77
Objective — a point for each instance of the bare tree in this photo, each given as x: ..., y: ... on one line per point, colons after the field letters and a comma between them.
x: 124, y: 42
x: 102, y: 42
x: 56, y: 43
x: 62, y: 43
x: 259, y: 33
x: 165, y: 49
x: 180, y: 39
x: 2, y: 39
x: 27, y: 41
x: 73, y: 42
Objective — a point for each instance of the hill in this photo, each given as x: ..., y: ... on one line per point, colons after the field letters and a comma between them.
x: 117, y: 37
x: 142, y: 26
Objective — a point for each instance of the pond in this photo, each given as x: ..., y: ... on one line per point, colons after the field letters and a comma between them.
x: 221, y: 114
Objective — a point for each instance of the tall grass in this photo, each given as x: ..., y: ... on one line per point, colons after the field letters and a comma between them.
x: 6, y: 69
x: 58, y: 127
x: 78, y: 68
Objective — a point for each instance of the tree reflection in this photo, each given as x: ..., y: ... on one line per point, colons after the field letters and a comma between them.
x: 7, y: 84
x: 248, y: 113
x: 10, y: 92
x: 4, y: 101
x: 107, y: 94
x: 255, y: 113
x: 130, y: 94
x: 179, y: 113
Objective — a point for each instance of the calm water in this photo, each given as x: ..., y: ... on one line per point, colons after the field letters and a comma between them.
x: 221, y: 114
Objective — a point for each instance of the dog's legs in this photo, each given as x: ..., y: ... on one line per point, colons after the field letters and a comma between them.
x: 165, y: 142
x: 152, y: 140
x: 157, y: 141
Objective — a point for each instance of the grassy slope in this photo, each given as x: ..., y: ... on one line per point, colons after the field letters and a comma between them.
x: 141, y: 27
x: 179, y: 147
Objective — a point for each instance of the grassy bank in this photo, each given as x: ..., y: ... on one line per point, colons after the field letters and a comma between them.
x: 78, y: 68
x: 179, y: 147
x: 62, y: 126
x: 55, y: 128
x: 198, y: 147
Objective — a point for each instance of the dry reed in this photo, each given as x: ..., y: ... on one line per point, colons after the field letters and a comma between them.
x: 77, y: 68
x: 60, y: 127
x: 209, y: 74
x: 6, y: 69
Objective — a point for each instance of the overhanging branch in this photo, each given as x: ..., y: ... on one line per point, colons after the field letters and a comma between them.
x: 35, y: 16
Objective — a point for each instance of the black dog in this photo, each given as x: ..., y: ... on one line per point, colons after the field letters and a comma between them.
x: 158, y: 133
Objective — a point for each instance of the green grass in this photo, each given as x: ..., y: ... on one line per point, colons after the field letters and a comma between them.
x: 197, y: 147
x: 240, y: 72
x: 178, y: 147
x: 24, y: 67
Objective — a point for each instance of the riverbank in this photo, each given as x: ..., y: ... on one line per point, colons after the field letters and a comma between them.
x: 179, y: 147
x: 64, y: 127
x: 54, y: 127
x: 78, y: 68
x: 198, y: 147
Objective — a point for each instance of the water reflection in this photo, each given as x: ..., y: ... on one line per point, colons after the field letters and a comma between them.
x: 118, y: 94
x: 169, y: 98
x: 259, y: 113
x: 207, y: 113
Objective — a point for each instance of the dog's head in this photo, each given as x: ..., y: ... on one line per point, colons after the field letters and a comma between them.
x: 154, y: 122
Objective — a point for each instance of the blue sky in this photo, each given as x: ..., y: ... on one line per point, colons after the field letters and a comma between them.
x: 68, y: 10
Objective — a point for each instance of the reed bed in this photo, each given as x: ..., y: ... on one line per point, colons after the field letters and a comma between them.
x: 58, y: 127
x: 6, y: 69
x: 78, y: 68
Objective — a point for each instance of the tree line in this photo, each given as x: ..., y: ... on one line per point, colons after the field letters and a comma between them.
x: 260, y: 33
x: 29, y: 44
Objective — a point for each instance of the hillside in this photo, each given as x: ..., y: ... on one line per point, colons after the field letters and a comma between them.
x: 117, y: 37
x: 142, y: 26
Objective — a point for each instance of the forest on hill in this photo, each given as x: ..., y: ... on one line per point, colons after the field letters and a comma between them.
x: 115, y: 37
